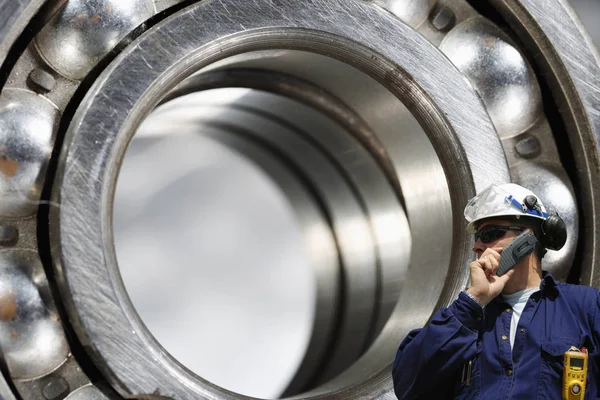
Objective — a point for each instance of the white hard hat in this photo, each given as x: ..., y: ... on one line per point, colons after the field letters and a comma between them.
x: 506, y: 200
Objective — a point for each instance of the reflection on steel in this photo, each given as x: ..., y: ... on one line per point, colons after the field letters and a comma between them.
x: 460, y: 128
x: 571, y: 64
x: 499, y: 73
x: 84, y: 31
x: 88, y: 392
x: 411, y: 12
x: 359, y: 201
x: 27, y: 123
x: 428, y: 141
x: 5, y: 391
x: 553, y: 185
x: 14, y: 17
x: 31, y: 335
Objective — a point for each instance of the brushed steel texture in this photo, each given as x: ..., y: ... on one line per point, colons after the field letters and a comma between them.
x: 549, y: 29
x: 103, y: 318
x: 27, y: 124
x: 571, y: 64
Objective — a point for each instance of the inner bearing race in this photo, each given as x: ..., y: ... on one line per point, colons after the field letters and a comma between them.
x: 361, y: 241
x: 436, y: 181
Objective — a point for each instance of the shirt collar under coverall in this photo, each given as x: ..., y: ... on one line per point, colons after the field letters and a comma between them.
x: 464, y: 352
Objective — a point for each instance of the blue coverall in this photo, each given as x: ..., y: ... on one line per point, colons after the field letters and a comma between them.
x: 431, y: 362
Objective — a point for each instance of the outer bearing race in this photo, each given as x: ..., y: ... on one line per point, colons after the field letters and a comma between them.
x: 183, y: 44
x: 361, y: 35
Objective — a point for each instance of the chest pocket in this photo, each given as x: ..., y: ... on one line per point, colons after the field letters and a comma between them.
x: 468, y: 384
x: 551, y: 372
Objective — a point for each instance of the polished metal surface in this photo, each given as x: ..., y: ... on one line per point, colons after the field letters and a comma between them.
x: 84, y: 31
x: 408, y: 148
x: 290, y: 128
x: 499, y: 72
x: 434, y: 138
x: 14, y: 17
x: 27, y: 123
x: 263, y: 71
x: 553, y: 185
x: 570, y: 61
x: 315, y: 239
x: 414, y: 13
x: 503, y: 77
x: 31, y: 334
x: 365, y: 96
x: 349, y: 222
x: 117, y: 331
x: 5, y: 391
x: 385, y: 215
x: 88, y: 392
x: 55, y: 384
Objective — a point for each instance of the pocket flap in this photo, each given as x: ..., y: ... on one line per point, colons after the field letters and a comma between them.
x: 557, y: 346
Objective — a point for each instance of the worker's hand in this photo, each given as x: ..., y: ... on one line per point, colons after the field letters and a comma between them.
x: 485, y: 284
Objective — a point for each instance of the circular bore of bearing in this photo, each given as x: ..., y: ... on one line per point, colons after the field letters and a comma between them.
x: 449, y: 111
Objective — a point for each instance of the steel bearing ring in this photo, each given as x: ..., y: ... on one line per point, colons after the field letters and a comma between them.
x: 434, y: 100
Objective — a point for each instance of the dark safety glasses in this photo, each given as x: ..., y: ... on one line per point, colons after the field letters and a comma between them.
x: 489, y: 233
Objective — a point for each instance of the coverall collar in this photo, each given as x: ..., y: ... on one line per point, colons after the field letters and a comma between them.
x: 547, y: 286
x: 548, y: 281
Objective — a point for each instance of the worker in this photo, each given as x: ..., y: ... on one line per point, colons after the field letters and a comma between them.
x: 508, y: 336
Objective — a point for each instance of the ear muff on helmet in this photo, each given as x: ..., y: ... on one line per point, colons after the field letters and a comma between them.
x: 554, y: 232
x: 554, y: 229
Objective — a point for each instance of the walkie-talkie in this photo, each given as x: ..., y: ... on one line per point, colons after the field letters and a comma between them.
x: 520, y: 247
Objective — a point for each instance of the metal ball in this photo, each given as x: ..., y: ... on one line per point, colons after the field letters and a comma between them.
x: 499, y: 73
x: 553, y: 187
x: 411, y: 12
x: 84, y: 31
x: 31, y: 334
x: 90, y: 392
x: 27, y: 123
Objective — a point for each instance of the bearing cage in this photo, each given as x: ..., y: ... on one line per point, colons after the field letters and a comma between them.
x: 567, y: 95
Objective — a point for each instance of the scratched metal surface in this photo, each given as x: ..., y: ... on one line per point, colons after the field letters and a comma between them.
x: 572, y: 65
x: 581, y: 61
x: 14, y: 17
x: 102, y: 315
x: 566, y: 46
x: 5, y: 392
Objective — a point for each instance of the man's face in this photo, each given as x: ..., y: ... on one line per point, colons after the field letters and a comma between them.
x: 479, y: 247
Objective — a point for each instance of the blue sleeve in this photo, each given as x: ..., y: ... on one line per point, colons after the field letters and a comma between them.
x: 596, y: 322
x: 594, y: 353
x: 430, y: 357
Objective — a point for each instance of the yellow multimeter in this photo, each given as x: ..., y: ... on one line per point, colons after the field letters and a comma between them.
x: 574, y: 373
